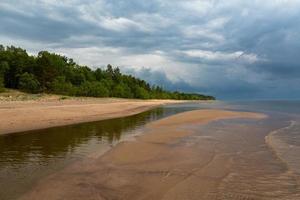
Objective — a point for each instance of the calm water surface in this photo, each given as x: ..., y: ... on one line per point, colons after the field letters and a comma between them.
x: 29, y: 156
x: 26, y: 157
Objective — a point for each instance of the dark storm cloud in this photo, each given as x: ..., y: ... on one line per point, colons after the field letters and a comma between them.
x: 33, y: 26
x: 231, y: 49
x: 159, y: 78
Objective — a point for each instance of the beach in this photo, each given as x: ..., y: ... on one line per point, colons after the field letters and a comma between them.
x: 165, y: 162
x: 19, y: 116
x: 149, y: 100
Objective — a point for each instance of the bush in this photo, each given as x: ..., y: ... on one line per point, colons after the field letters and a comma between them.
x: 3, y: 68
x: 1, y: 83
x: 77, y: 79
x: 60, y: 86
x: 29, y: 83
x: 93, y: 89
x: 2, y: 89
x: 122, y: 90
x: 141, y: 93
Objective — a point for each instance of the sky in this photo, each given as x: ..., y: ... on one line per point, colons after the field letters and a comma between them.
x: 233, y: 49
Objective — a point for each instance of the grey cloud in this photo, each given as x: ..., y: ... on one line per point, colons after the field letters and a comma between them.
x: 159, y: 78
x: 267, y: 32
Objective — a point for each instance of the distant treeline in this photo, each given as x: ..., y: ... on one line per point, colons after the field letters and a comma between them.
x: 53, y: 73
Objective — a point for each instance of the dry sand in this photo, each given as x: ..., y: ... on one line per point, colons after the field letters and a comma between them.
x: 17, y: 116
x: 154, y: 166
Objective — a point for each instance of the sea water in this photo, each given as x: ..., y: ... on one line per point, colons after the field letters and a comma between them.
x: 265, y: 154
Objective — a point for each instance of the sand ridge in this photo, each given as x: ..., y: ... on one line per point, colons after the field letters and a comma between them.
x: 155, y: 166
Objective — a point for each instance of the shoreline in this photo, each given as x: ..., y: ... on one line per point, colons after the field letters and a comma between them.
x: 21, y: 116
x: 153, y: 166
x: 282, y: 149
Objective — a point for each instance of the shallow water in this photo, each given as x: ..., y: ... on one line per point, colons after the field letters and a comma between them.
x: 265, y: 162
x: 28, y: 156
x: 260, y: 170
x: 256, y: 172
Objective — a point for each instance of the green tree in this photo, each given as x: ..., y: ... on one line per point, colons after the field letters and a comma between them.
x: 141, y: 93
x: 93, y: 89
x: 29, y: 83
x: 77, y: 79
x: 99, y: 74
x: 17, y: 60
x: 3, y: 68
x: 1, y: 83
x: 49, y: 66
x: 122, y: 90
x: 60, y: 86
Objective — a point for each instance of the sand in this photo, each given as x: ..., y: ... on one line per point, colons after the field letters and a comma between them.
x: 18, y: 116
x: 154, y: 166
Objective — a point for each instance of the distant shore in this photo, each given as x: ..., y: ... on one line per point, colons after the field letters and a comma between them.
x: 37, y: 112
x: 154, y: 166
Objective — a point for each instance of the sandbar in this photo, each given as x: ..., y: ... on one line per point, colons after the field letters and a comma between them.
x: 156, y: 165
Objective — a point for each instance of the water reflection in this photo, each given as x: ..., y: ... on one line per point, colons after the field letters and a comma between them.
x: 26, y: 157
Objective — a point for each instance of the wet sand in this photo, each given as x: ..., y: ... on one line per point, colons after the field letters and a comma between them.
x: 166, y: 162
x: 18, y: 116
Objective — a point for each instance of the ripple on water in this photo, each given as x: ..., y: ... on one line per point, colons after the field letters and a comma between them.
x: 256, y: 173
x: 285, y: 143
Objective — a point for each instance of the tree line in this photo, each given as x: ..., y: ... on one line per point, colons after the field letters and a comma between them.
x: 53, y: 73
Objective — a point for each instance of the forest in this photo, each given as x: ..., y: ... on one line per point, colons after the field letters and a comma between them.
x: 52, y: 73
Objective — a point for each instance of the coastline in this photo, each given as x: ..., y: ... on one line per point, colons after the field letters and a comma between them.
x: 153, y: 166
x: 282, y: 149
x: 19, y: 116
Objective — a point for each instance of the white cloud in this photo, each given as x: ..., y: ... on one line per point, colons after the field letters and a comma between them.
x: 198, y: 32
x: 221, y: 56
x: 152, y: 22
x: 217, y: 23
x: 92, y: 56
x: 119, y: 24
x: 200, y: 7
